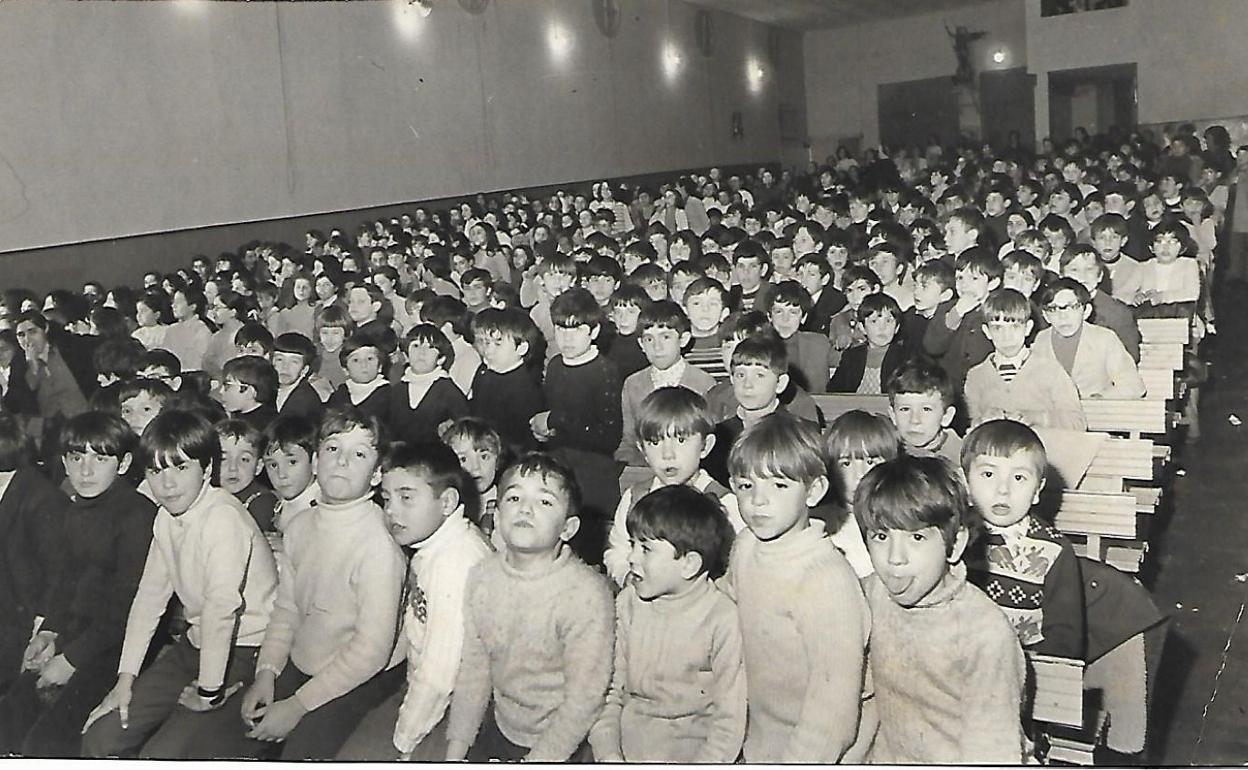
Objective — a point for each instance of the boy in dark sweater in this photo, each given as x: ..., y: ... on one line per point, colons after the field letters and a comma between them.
x: 249, y: 385
x: 71, y: 663
x: 933, y: 297
x: 294, y: 358
x: 624, y: 345
x: 240, y: 469
x: 957, y: 339
x: 426, y: 398
x: 365, y: 359
x: 505, y: 392
x: 583, y: 425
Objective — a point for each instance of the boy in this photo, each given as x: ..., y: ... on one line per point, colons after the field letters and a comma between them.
x: 844, y: 329
x: 864, y: 368
x: 208, y: 551
x: 480, y: 451
x: 555, y: 275
x: 240, y: 468
x: 676, y: 435
x: 329, y: 654
x: 294, y: 358
x: 140, y: 400
x: 423, y: 490
x: 289, y: 452
x: 933, y: 296
x: 504, y: 392
x: 623, y: 346
x: 664, y: 334
x: 1025, y: 565
x: 248, y: 388
x: 810, y: 354
x: 672, y: 621
x: 453, y: 319
x: 1092, y: 355
x: 1084, y: 265
x: 720, y: 401
x: 804, y: 621
x: 538, y: 630
x: 425, y: 398
x: 1011, y: 382
x: 889, y: 265
x: 947, y: 669
x: 365, y: 358
x: 706, y: 304
x: 750, y: 266
x: 364, y: 304
x: 814, y: 273
x: 963, y: 231
x: 601, y: 276
x: 1169, y: 282
x: 957, y: 338
x: 476, y: 284
x: 1109, y: 236
x: 759, y: 375
x: 921, y: 402
x: 106, y: 533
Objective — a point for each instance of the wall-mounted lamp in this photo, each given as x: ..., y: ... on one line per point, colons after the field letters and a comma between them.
x: 998, y: 56
x: 423, y: 7
x: 754, y: 74
x: 671, y: 61
x: 559, y: 40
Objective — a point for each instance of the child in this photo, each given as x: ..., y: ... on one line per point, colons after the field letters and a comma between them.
x: 720, y: 401
x: 538, y: 630
x: 453, y: 319
x: 248, y: 390
x: 1023, y: 273
x: 933, y: 297
x: 864, y: 368
x: 1109, y: 236
x: 240, y: 468
x: 555, y: 275
x: 810, y: 354
x: 1011, y: 382
x: 1092, y: 355
x: 208, y: 551
x: 759, y: 375
x: 480, y: 451
x: 1084, y: 265
x: 1024, y: 564
x: 427, y: 397
x: 889, y: 265
x: 750, y: 266
x: 706, y: 304
x: 664, y: 334
x: 289, y: 452
x: 957, y: 339
x: 105, y: 537
x: 295, y: 358
x: 329, y: 654
x: 423, y: 490
x: 140, y: 400
x: 505, y: 393
x: 675, y: 436
x: 921, y: 402
x: 814, y: 273
x: 844, y: 329
x: 476, y: 284
x: 365, y: 357
x: 332, y: 328
x: 947, y: 669
x: 857, y: 441
x: 804, y: 621
x: 1169, y: 282
x: 623, y: 343
x: 678, y: 686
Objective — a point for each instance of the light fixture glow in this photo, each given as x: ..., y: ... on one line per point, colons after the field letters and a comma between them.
x: 559, y: 40
x: 754, y: 75
x: 671, y: 61
x: 998, y: 56
x: 410, y: 18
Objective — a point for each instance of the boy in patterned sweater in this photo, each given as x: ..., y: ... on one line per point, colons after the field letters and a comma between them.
x: 1022, y: 563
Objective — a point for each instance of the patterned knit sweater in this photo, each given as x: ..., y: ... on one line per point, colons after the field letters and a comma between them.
x: 541, y: 645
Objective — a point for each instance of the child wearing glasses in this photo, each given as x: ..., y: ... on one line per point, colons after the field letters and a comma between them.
x: 1092, y: 355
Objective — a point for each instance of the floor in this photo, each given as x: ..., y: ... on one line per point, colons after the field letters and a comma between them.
x: 1198, y: 568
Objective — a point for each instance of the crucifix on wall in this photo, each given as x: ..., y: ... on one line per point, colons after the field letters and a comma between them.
x: 962, y: 39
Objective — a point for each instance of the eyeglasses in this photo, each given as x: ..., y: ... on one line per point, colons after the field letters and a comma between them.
x: 1065, y: 308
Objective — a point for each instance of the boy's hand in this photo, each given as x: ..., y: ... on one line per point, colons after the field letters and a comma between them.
x: 55, y: 673
x: 40, y: 650
x: 191, y: 700
x: 258, y: 697
x: 278, y: 720
x: 118, y: 699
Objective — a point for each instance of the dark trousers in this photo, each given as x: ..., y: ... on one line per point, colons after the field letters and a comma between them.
x: 48, y: 722
x: 158, y: 725
x: 492, y: 745
x: 373, y: 739
x: 599, y: 479
x: 321, y: 733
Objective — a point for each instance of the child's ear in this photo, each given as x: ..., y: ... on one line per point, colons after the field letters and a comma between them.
x: 946, y: 295
x: 594, y: 330
x: 723, y: 315
x: 959, y: 546
x: 782, y: 383
x: 123, y: 464
x: 684, y: 339
x: 375, y: 480
x: 816, y: 490
x: 176, y: 383
x: 708, y: 443
x: 691, y: 565
x: 522, y: 348
x: 1087, y: 311
x: 570, y: 528
x: 1035, y: 499
x: 449, y: 500
x: 1030, y: 325
x: 946, y: 419
x: 994, y: 283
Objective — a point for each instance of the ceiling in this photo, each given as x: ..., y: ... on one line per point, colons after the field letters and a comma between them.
x: 826, y: 14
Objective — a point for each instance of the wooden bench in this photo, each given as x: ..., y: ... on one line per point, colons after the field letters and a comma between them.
x: 834, y: 405
x: 1093, y: 516
x: 1161, y: 355
x: 1134, y: 417
x: 1165, y: 330
x: 1074, y: 726
x: 1158, y: 383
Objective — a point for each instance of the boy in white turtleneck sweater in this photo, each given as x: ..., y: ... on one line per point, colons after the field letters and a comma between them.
x: 329, y: 655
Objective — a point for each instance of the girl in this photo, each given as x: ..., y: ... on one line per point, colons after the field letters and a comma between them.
x: 229, y: 311
x: 299, y: 315
x: 427, y: 396
x: 153, y: 316
x: 332, y: 328
x: 365, y: 359
x: 857, y: 442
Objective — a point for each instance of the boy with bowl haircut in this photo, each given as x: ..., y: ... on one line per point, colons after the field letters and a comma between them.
x: 1110, y: 234
x: 423, y: 489
x: 706, y: 304
x: 933, y: 297
x: 676, y: 435
x: 329, y: 654
x: 623, y: 343
x: 366, y: 357
x: 810, y: 354
x: 947, y: 667
x: 1092, y: 355
x: 505, y: 392
x: 844, y: 329
x: 1013, y: 383
x: 295, y: 358
x: 921, y: 401
x: 678, y: 687
x: 240, y: 467
x: 759, y: 375
x: 804, y: 621
x: 1023, y: 563
x: 720, y: 400
x: 538, y: 630
x: 864, y: 368
x: 289, y: 452
x: 248, y: 387
x: 71, y: 662
x: 208, y: 551
x: 664, y: 334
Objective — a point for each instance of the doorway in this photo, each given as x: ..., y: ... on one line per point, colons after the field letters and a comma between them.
x: 1094, y: 98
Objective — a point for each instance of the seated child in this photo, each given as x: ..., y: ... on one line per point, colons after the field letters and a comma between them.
x: 1169, y: 282
x: 664, y: 334
x: 480, y: 451
x: 678, y: 686
x: 476, y: 284
x: 1092, y: 355
x: 800, y: 604
x: 295, y: 358
x: 427, y: 397
x: 332, y: 328
x: 720, y: 401
x: 706, y: 304
x: 253, y: 339
x: 957, y: 340
x: 105, y: 538
x: 864, y: 368
x: 889, y: 264
x: 248, y: 388
x: 921, y: 402
x: 948, y: 672
x: 365, y: 358
x: 164, y: 366
x: 623, y: 346
x: 652, y: 279
x: 760, y: 373
x: 202, y: 540
x: 329, y: 654
x: 810, y: 353
x: 857, y: 441
x: 454, y: 320
x: 1024, y: 564
x: 1084, y: 265
x: 1109, y: 236
x: 240, y: 468
x: 289, y: 453
x: 538, y: 630
x: 423, y: 490
x: 675, y: 434
x: 844, y: 329
x: 1023, y: 273
x: 1011, y: 382
x: 814, y: 273
x: 555, y: 275
x: 505, y: 392
x: 140, y: 400
x: 751, y: 267
x: 933, y: 297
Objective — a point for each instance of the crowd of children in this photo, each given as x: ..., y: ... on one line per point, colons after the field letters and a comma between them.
x: 363, y: 500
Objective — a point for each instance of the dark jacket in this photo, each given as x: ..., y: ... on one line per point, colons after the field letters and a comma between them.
x: 853, y: 366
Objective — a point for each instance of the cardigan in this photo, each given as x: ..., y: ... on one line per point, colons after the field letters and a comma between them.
x: 1102, y: 369
x: 849, y: 374
x: 1041, y: 395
